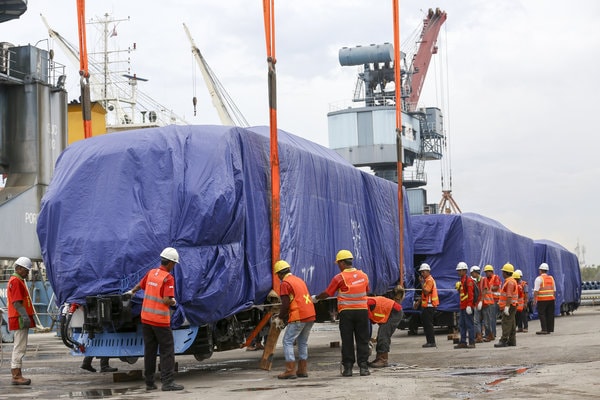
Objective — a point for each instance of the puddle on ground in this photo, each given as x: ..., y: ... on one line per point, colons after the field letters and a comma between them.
x: 502, y: 374
x: 258, y: 389
x: 98, y: 393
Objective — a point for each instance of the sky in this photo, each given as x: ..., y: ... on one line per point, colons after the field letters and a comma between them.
x: 517, y: 81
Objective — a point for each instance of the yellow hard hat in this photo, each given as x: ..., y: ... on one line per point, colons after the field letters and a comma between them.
x: 343, y: 255
x: 508, y: 267
x: 516, y: 275
x: 280, y: 266
x: 488, y: 268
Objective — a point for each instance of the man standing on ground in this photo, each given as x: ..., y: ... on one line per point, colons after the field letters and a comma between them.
x: 387, y: 313
x: 522, y: 315
x: 159, y: 295
x: 429, y: 303
x: 352, y: 286
x: 477, y: 311
x: 466, y: 292
x: 20, y: 317
x: 508, y: 305
x: 298, y: 312
x: 491, y: 287
x: 544, y: 295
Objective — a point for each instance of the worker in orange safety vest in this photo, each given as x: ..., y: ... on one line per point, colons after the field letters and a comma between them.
x: 522, y: 312
x: 491, y: 293
x: 544, y: 296
x: 508, y: 304
x: 387, y: 313
x: 429, y: 303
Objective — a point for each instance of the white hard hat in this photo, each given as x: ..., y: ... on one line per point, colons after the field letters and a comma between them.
x: 461, y: 265
x: 424, y: 267
x: 170, y: 254
x: 475, y: 268
x: 544, y: 267
x: 24, y: 262
x: 519, y: 272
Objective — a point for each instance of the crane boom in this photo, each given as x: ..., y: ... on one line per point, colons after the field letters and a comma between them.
x: 428, y: 47
x: 218, y: 95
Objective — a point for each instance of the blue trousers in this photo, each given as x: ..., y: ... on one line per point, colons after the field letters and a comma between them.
x: 466, y: 326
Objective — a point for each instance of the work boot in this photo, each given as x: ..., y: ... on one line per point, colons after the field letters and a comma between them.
x: 478, y: 338
x: 489, y: 338
x: 501, y: 344
x: 290, y: 371
x: 17, y: 377
x: 87, y: 364
x: 302, y: 373
x: 104, y: 367
x: 364, y: 370
x: 169, y: 387
x: 461, y: 346
x: 380, y: 361
x: 347, y: 370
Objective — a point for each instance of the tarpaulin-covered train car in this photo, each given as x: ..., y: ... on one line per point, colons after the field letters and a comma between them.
x: 442, y: 241
x: 116, y: 201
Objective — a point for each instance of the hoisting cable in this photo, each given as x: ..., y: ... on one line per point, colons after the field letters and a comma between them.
x: 399, y: 167
x: 269, y: 18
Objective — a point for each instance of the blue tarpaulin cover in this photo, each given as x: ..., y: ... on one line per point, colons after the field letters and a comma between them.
x: 443, y: 241
x: 117, y: 200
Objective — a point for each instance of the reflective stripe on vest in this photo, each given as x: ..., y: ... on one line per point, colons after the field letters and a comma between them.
x: 154, y: 310
x: 488, y: 296
x: 431, y: 299
x: 383, y: 308
x: 301, y: 306
x: 355, y: 297
x: 546, y: 292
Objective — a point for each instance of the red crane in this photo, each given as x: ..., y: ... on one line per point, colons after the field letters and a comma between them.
x: 420, y: 63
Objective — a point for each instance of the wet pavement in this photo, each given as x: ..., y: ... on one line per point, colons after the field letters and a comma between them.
x: 564, y: 365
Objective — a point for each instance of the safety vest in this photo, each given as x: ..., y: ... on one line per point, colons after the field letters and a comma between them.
x: 355, y: 297
x: 486, y: 289
x: 465, y: 283
x: 520, y: 297
x: 154, y: 311
x: 547, y: 288
x: 383, y: 308
x: 16, y: 290
x: 301, y: 306
x: 495, y: 281
x: 505, y: 298
x: 431, y: 299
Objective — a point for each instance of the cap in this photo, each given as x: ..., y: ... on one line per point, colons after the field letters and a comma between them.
x: 343, y: 255
x: 424, y: 267
x: 280, y: 266
x: 23, y: 262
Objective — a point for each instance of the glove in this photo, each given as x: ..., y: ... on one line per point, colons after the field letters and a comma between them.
x: 128, y: 294
x: 479, y: 306
x: 314, y: 299
x: 279, y: 324
x: 25, y: 322
x: 506, y: 311
x: 174, y: 302
x: 457, y: 285
x: 469, y: 310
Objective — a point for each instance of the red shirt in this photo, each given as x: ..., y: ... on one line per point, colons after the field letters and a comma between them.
x: 17, y: 291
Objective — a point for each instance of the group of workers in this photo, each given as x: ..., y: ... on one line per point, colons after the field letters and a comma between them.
x: 356, y: 312
x: 481, y: 298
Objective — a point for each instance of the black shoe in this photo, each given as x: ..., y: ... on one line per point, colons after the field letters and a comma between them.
x: 541, y: 333
x: 88, y: 368
x: 151, y: 386
x: 364, y: 371
x: 429, y: 345
x: 108, y: 369
x: 347, y: 370
x: 501, y: 344
x: 512, y: 344
x: 171, y: 387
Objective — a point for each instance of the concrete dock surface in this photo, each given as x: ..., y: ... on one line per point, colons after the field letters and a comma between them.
x: 562, y: 365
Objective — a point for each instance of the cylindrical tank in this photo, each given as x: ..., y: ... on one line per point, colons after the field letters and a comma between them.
x: 360, y: 55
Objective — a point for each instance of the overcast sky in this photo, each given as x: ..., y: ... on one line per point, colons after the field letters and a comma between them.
x: 520, y: 76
